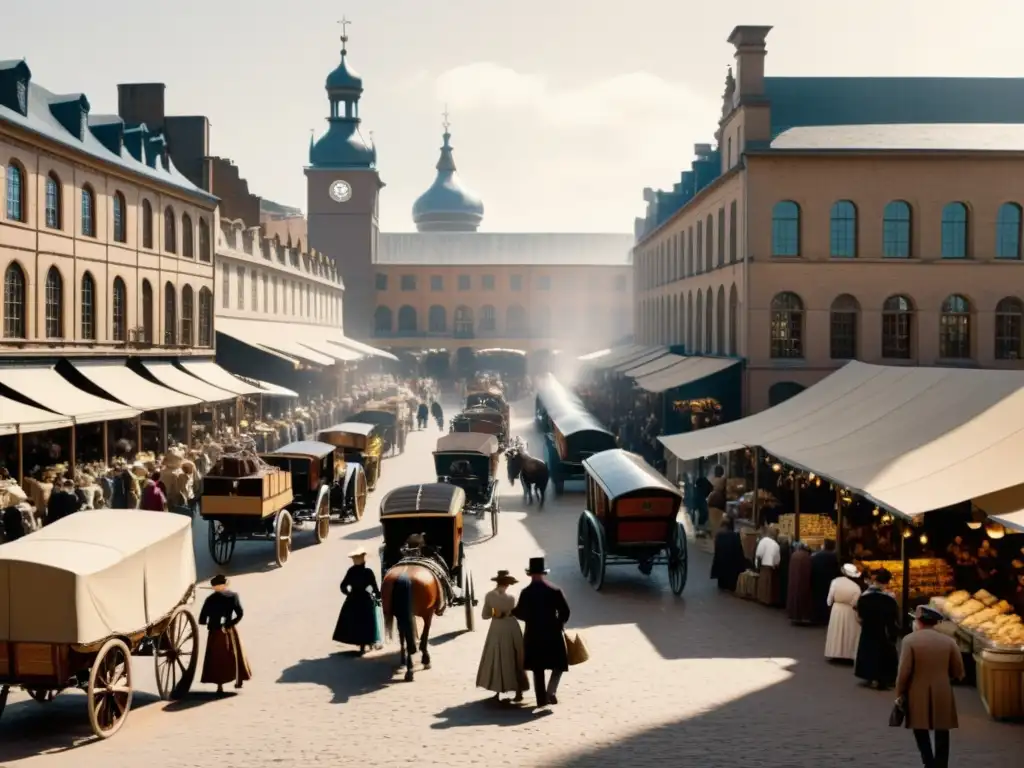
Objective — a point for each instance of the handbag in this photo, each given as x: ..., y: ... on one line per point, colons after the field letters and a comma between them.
x: 575, y: 649
x: 898, y: 714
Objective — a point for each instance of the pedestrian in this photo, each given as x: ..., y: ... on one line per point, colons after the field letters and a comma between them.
x: 543, y: 609
x: 879, y: 615
x: 728, y: 561
x: 153, y: 497
x: 421, y: 416
x: 501, y: 663
x: 357, y: 621
x: 225, y: 658
x: 799, y: 602
x: 824, y: 570
x: 929, y: 661
x: 62, y: 502
x: 767, y: 558
x: 843, y: 625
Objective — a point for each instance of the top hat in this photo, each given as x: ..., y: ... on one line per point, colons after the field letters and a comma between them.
x: 219, y: 580
x: 504, y: 577
x: 850, y: 570
x: 537, y: 567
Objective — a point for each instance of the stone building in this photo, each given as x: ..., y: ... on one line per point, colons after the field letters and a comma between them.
x: 876, y: 219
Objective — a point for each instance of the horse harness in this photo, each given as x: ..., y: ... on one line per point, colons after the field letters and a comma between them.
x: 439, y: 572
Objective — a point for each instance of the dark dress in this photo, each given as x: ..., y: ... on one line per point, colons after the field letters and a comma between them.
x: 61, y: 504
x: 799, y: 602
x: 824, y: 568
x: 544, y: 611
x: 877, y: 660
x: 357, y: 622
x: 729, y: 561
x: 225, y: 660
x: 782, y: 573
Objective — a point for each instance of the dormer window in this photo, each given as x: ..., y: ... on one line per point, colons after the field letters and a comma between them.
x: 22, y: 89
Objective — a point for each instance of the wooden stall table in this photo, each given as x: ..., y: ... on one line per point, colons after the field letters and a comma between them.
x: 1001, y: 684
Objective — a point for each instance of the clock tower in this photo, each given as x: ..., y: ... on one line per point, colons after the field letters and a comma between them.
x: 342, y: 192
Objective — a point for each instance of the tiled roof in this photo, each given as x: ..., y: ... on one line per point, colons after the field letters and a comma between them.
x: 951, y: 137
x: 513, y: 248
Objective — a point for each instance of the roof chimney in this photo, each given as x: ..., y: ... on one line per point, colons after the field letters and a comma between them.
x: 750, y: 52
x: 142, y: 103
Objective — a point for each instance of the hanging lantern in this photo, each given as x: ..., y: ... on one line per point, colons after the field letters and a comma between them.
x: 875, y: 512
x: 776, y: 467
x: 923, y: 538
x: 907, y: 533
x: 995, y: 531
x: 810, y: 475
x: 974, y: 525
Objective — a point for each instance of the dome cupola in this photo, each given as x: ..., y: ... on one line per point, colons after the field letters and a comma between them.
x: 448, y: 206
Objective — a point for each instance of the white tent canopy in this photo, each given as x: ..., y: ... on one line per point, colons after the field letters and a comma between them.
x: 122, y: 383
x: 685, y: 371
x: 176, y: 378
x: 43, y: 385
x: 15, y: 416
x: 211, y: 373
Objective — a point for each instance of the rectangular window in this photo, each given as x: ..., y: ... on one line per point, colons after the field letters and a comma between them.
x: 721, y: 237
x: 225, y: 288
x: 488, y: 282
x: 544, y: 283
x: 266, y: 291
x: 408, y: 282
x: 382, y: 281
x: 436, y: 283
x: 273, y: 289
x: 255, y: 292
x: 464, y: 284
x: 240, y: 273
x: 516, y: 282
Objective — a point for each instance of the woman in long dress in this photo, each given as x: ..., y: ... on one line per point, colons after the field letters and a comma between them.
x: 501, y: 663
x: 357, y: 622
x: 843, y: 623
x: 225, y: 660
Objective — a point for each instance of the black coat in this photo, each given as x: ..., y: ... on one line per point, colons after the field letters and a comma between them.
x: 544, y: 611
x: 357, y: 622
x: 877, y: 660
x: 824, y: 568
x: 729, y: 561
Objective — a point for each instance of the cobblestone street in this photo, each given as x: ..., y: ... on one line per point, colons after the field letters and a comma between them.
x: 705, y: 681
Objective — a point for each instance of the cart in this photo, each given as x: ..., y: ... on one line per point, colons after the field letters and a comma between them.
x: 390, y: 421
x: 575, y: 435
x: 357, y: 443
x: 470, y: 461
x: 482, y: 420
x: 630, y: 517
x: 322, y: 484
x: 436, y: 511
x: 244, y: 498
x: 491, y: 397
x: 85, y: 594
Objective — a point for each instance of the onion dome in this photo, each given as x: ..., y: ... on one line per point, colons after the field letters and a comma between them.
x: 447, y: 206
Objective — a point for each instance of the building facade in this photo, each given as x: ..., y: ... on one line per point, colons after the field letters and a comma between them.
x: 867, y: 225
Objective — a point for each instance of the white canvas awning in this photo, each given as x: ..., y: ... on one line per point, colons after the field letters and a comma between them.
x: 652, y: 366
x: 124, y: 384
x: 44, y: 386
x: 177, y: 379
x: 335, y: 351
x: 211, y: 373
x: 685, y: 371
x: 272, y: 336
x: 335, y: 336
x: 15, y: 416
x: 625, y: 355
x: 272, y: 389
x: 594, y: 357
x: 648, y: 357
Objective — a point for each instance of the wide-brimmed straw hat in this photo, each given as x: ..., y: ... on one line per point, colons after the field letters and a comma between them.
x: 850, y: 570
x: 504, y: 577
x: 357, y: 552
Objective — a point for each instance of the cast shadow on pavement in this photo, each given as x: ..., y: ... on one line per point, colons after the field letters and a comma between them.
x: 199, y: 699
x: 486, y: 712
x: 346, y: 676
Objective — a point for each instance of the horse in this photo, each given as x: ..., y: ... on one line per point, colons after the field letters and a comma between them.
x: 533, y: 472
x: 408, y: 591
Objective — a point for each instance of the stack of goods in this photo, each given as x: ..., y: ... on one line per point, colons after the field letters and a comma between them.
x: 814, y: 529
x: 929, y: 576
x: 984, y: 614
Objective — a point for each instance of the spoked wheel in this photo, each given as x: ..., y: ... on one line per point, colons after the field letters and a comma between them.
x: 359, y: 503
x: 42, y: 695
x: 283, y: 537
x: 110, y: 688
x: 222, y: 543
x: 177, y: 655
x: 323, y: 518
x: 468, y: 593
x: 583, y: 545
x: 595, y: 556
x: 678, y: 560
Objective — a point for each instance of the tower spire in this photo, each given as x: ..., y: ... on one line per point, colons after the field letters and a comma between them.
x: 344, y: 22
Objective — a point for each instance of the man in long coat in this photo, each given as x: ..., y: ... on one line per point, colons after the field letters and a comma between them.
x: 543, y: 609
x: 799, y: 604
x: 824, y: 569
x: 879, y: 629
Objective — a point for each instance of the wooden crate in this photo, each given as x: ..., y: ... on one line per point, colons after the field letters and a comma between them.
x: 259, y: 495
x: 1001, y: 685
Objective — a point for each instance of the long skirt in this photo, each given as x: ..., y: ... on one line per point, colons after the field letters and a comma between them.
x: 843, y: 633
x: 768, y: 586
x: 501, y: 663
x: 225, y: 660
x: 357, y: 623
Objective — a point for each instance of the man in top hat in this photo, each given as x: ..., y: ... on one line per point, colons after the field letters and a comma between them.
x: 543, y: 609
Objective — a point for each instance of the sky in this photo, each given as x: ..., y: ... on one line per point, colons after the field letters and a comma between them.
x: 562, y: 111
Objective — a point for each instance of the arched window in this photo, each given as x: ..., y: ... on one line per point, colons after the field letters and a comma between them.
x: 120, y: 222
x: 488, y: 319
x: 170, y: 231
x: 119, y: 311
x: 954, y: 231
x: 53, y: 211
x: 782, y: 391
x: 437, y: 319
x: 54, y: 304
x: 88, y: 308
x: 187, y: 315
x: 515, y: 320
x: 896, y: 227
x: 542, y: 322
x: 955, y: 328
x: 897, y: 328
x: 786, y: 229
x: 698, y: 335
x: 721, y: 237
x: 733, y: 228
x: 147, y: 312
x: 463, y: 321
x: 16, y: 208
x: 15, y: 309
x: 1008, y: 231
x: 699, y: 257
x: 382, y: 322
x: 204, y: 240
x: 205, y: 317
x: 690, y: 349
x: 689, y: 253
x: 187, y: 237
x: 406, y: 319
x: 1009, y: 316
x: 709, y: 242
x: 787, y: 326
x: 720, y: 321
x: 843, y: 240
x: 147, y: 224
x: 843, y: 327
x: 734, y: 320
x: 88, y: 211
x: 170, y: 315
x: 709, y: 323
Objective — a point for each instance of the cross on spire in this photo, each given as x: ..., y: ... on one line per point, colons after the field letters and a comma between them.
x: 344, y: 22
x: 445, y: 124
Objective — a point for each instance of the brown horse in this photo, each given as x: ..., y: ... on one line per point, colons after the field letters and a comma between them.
x: 531, y: 471
x: 408, y: 591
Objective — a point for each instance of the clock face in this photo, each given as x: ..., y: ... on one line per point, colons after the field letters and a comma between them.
x: 340, y: 191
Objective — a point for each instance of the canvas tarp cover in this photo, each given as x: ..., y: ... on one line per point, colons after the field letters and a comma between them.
x: 468, y: 441
x: 275, y: 337
x: 626, y: 355
x: 211, y: 373
x: 43, y: 385
x: 94, y: 574
x: 685, y: 371
x: 175, y: 378
x: 593, y: 357
x: 121, y: 382
x: 274, y: 389
x: 912, y: 439
x: 27, y: 418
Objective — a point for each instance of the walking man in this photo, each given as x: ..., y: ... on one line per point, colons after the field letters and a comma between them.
x: 544, y: 611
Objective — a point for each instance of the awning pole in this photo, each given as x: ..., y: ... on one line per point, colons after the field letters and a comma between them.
x: 21, y: 457
x: 839, y: 523
x: 163, y: 428
x: 106, y: 445
x: 74, y: 446
x: 757, y: 471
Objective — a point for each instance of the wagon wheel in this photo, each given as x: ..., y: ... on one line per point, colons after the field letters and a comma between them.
x: 222, y: 543
x: 596, y: 556
x: 359, y: 503
x: 583, y: 545
x: 323, y: 518
x: 283, y: 537
x: 110, y: 688
x: 176, y: 655
x: 469, y: 594
x: 678, y: 560
x: 42, y: 695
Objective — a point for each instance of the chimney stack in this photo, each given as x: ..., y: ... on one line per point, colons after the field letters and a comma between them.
x: 142, y: 103
x: 750, y: 52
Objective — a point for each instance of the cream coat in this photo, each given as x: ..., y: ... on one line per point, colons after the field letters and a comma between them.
x: 928, y: 662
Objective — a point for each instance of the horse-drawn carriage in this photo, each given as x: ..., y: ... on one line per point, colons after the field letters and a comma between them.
x: 85, y: 594
x: 491, y: 397
x: 322, y: 484
x: 390, y: 418
x: 630, y: 517
x: 356, y: 443
x: 575, y: 436
x: 470, y: 461
x: 483, y: 420
x: 246, y: 498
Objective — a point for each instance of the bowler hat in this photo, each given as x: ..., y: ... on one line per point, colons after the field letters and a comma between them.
x: 537, y: 567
